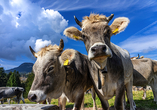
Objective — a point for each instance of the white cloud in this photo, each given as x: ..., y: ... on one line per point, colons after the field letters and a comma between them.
x: 23, y: 22
x: 140, y: 44
x: 40, y: 44
x: 144, y: 41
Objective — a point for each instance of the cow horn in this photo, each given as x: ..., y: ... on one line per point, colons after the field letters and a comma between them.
x: 138, y: 56
x: 110, y: 17
x: 33, y: 52
x: 61, y: 45
x: 77, y: 21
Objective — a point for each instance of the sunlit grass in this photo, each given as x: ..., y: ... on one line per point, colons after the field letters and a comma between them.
x: 148, y: 103
x: 88, y: 102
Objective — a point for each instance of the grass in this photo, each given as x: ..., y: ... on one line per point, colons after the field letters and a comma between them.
x: 147, y: 104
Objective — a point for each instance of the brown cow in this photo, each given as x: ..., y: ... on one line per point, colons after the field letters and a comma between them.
x: 96, y: 35
x: 145, y: 73
x: 132, y: 58
x: 138, y: 57
x: 58, y: 73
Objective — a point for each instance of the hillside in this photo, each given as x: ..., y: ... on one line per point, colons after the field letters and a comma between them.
x: 23, y: 68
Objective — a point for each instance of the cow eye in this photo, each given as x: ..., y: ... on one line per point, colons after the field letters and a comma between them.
x: 50, y: 68
x: 83, y: 36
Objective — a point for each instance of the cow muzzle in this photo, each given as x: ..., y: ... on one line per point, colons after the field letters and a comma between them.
x: 32, y: 97
x: 36, y: 96
x: 99, y: 52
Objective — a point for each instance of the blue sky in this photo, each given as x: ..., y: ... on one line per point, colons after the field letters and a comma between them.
x: 41, y: 22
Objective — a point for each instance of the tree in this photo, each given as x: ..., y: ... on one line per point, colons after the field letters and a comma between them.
x: 28, y: 83
x: 17, y: 75
x: 3, y: 77
x: 12, y: 81
x: 8, y: 75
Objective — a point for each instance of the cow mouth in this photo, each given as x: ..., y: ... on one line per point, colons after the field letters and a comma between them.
x: 100, y: 58
x: 101, y: 61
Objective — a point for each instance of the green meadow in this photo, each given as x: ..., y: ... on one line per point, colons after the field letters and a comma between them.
x: 141, y: 104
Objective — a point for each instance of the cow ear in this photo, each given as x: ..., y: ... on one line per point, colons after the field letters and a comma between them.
x: 73, y: 33
x: 67, y: 57
x: 119, y: 25
x: 14, y: 89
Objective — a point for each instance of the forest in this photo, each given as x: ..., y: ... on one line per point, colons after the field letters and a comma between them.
x: 14, y: 79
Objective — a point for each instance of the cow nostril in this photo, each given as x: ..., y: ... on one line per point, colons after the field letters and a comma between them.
x: 104, y: 48
x: 32, y: 97
x: 93, y: 49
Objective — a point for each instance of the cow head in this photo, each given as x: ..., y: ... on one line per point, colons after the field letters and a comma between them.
x: 49, y: 70
x: 18, y: 90
x: 96, y: 34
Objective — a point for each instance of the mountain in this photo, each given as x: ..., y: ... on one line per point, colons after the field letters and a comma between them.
x: 23, y: 68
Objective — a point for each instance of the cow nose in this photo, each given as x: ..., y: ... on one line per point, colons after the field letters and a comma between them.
x: 98, y: 49
x: 32, y: 97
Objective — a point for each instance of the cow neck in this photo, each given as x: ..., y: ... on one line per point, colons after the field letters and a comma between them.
x: 67, y: 68
x: 114, y: 65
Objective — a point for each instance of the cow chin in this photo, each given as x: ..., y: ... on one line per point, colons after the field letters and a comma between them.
x: 55, y: 95
x: 100, y: 61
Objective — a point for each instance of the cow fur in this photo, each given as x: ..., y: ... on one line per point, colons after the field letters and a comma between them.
x: 11, y: 92
x: 95, y: 33
x: 16, y: 99
x: 145, y: 73
x: 68, y: 81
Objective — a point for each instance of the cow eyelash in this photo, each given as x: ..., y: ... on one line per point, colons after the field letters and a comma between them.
x: 50, y: 68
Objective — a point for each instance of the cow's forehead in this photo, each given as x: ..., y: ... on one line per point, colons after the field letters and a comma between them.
x: 46, y: 57
x: 53, y: 48
x: 94, y: 19
x: 94, y: 26
x: 46, y: 54
x: 42, y: 61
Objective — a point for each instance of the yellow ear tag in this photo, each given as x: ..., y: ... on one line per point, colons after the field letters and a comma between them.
x: 66, y: 62
x: 76, y: 37
x: 116, y: 30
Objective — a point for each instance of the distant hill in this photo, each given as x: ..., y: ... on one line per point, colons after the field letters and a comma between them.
x: 23, y: 68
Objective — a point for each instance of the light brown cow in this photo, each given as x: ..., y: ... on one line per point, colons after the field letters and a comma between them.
x: 61, y: 74
x: 132, y: 58
x: 138, y: 57
x: 145, y: 73
x: 96, y: 35
x: 134, y: 85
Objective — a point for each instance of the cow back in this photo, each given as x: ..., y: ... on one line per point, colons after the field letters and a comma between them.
x: 143, y: 71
